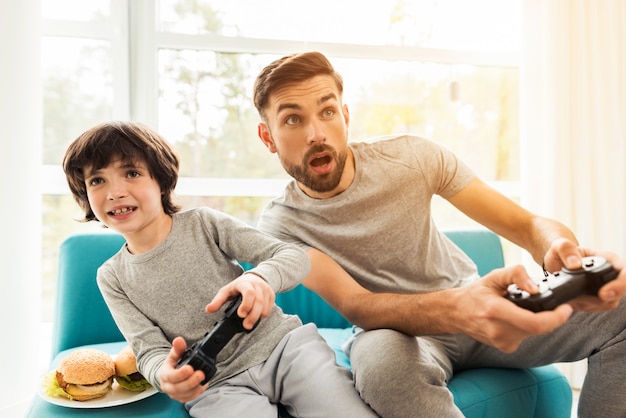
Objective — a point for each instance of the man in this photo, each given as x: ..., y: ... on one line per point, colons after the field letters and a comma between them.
x: 362, y: 213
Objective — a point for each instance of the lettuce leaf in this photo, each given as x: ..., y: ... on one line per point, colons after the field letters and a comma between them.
x: 52, y: 388
x: 134, y: 385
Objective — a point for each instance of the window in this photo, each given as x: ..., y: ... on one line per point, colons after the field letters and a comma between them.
x: 444, y: 69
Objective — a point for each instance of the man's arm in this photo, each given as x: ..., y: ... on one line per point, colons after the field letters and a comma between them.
x: 550, y: 243
x: 478, y: 310
x: 536, y: 234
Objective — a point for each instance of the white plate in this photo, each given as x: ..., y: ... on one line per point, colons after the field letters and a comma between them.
x: 118, y: 396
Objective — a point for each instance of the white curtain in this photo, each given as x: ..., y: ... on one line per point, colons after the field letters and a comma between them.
x: 573, y: 117
x: 20, y: 212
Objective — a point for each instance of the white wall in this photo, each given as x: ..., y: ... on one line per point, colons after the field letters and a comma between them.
x: 20, y: 210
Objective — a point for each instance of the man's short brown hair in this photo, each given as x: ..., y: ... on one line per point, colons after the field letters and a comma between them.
x: 290, y: 69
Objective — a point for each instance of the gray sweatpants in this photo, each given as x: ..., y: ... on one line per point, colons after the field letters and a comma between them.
x: 300, y: 374
x: 385, y: 361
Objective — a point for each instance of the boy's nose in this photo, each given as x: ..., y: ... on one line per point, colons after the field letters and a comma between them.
x: 116, y: 191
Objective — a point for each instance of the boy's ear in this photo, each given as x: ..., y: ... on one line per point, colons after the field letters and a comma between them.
x: 266, y: 137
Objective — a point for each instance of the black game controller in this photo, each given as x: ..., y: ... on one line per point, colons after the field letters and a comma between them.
x: 565, y: 285
x: 202, y: 354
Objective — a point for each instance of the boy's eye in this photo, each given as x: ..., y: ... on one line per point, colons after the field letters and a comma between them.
x: 133, y: 174
x: 95, y: 181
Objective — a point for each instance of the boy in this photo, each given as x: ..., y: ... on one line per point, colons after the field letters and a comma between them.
x: 123, y: 175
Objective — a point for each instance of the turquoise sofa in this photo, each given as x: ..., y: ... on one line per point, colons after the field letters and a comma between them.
x: 82, y: 318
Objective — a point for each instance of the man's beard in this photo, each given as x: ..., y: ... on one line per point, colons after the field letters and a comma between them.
x: 318, y: 183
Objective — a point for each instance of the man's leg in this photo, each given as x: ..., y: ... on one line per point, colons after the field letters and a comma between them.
x: 602, y: 393
x: 402, y: 376
x: 599, y: 337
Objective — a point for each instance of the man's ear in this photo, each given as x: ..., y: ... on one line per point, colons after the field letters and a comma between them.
x: 346, y: 115
x: 266, y: 137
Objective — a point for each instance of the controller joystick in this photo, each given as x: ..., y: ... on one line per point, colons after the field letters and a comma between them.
x: 203, y: 353
x: 560, y: 287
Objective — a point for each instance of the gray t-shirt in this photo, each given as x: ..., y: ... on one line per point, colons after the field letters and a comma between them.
x: 380, y: 229
x: 161, y: 294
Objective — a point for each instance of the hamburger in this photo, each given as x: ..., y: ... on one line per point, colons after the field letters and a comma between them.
x: 126, y: 372
x: 82, y: 375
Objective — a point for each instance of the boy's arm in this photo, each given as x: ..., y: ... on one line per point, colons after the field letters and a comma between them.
x: 282, y: 265
x: 257, y: 298
x: 287, y: 266
x: 132, y: 322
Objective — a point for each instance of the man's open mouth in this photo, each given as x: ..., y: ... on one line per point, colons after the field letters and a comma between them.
x: 321, y: 161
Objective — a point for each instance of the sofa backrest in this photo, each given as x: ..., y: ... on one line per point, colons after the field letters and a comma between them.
x: 82, y: 317
x: 481, y: 245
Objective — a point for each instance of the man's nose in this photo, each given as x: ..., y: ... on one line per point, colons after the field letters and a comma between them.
x: 315, y: 132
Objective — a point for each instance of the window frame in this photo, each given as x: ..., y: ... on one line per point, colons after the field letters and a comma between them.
x: 132, y: 30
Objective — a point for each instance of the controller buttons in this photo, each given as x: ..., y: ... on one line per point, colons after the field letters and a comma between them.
x: 564, y: 285
x: 515, y: 292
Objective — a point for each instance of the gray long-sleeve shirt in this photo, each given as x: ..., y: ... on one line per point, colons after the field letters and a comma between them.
x: 161, y: 294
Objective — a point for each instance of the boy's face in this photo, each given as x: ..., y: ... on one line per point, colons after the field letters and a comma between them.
x: 307, y: 126
x: 124, y: 197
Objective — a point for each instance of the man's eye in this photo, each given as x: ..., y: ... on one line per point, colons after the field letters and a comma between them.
x: 292, y: 120
x: 329, y: 113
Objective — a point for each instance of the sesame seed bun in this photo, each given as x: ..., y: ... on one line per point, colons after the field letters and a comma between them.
x: 126, y: 372
x: 86, y: 374
x: 125, y: 362
x: 86, y: 366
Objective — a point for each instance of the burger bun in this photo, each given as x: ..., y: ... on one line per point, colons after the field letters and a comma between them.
x: 126, y: 372
x: 125, y: 362
x: 86, y: 374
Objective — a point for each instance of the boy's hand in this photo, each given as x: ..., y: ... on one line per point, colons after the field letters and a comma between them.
x: 181, y: 384
x: 256, y: 294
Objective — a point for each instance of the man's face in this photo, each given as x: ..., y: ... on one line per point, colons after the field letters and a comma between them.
x: 307, y: 126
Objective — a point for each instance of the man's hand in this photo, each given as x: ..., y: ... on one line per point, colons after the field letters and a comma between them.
x: 486, y: 315
x: 256, y: 294
x: 181, y: 384
x: 564, y: 253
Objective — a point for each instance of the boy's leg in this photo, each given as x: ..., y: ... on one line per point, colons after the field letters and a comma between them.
x: 308, y: 381
x: 236, y: 397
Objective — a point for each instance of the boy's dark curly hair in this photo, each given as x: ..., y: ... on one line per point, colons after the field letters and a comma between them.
x: 130, y: 142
